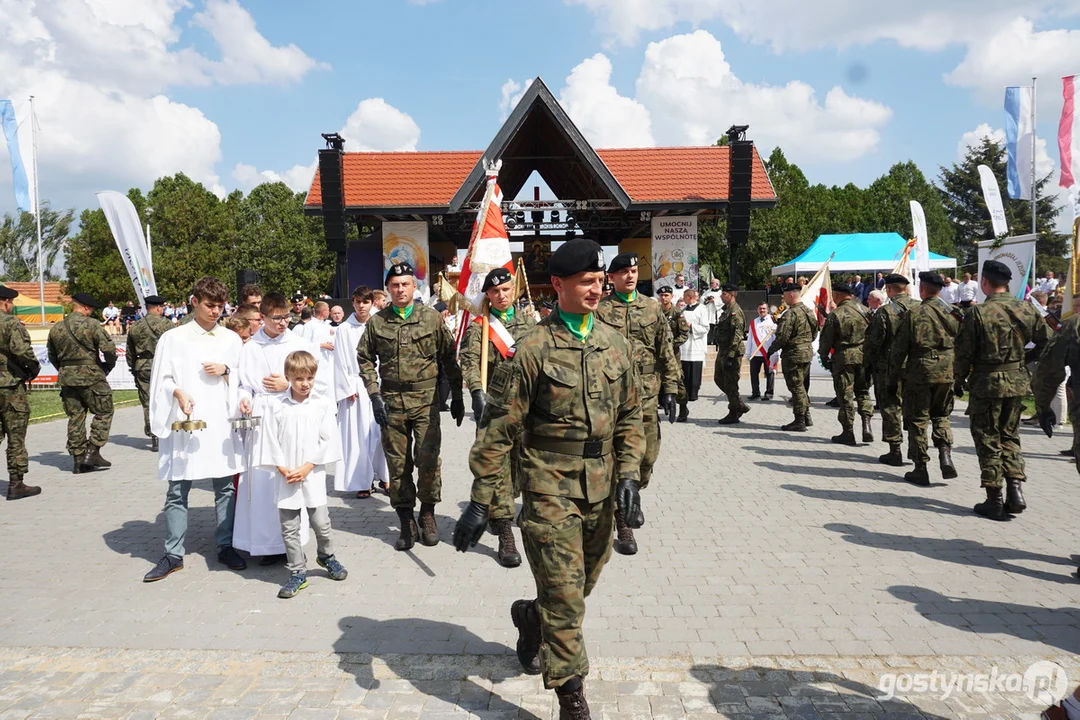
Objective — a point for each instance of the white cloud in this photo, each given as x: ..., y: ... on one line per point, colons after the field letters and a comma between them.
x: 1015, y: 54
x: 974, y: 138
x: 512, y: 92
x: 606, y: 118
x: 298, y: 178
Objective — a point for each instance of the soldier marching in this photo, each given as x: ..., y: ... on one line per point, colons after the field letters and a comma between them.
x: 142, y: 340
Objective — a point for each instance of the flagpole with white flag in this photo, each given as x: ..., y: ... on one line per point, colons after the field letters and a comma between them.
x: 37, y: 207
x: 1034, y: 180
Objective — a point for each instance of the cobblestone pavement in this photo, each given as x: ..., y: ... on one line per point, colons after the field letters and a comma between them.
x: 779, y: 576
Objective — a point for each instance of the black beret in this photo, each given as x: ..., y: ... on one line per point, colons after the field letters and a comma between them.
x: 7, y: 293
x: 497, y: 277
x: 729, y: 287
x: 575, y: 256
x: 843, y: 287
x: 896, y: 279
x: 664, y: 290
x: 930, y: 277
x: 297, y: 297
x: 608, y: 287
x: 792, y: 287
x: 994, y: 270
x: 154, y: 300
x: 623, y: 261
x: 399, y: 270
x: 85, y: 299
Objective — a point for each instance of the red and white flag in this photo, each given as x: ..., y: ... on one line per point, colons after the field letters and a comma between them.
x: 1069, y: 134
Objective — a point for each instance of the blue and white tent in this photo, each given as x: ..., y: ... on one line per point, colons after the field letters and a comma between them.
x: 860, y: 252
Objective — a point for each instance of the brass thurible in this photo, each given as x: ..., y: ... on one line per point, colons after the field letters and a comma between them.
x: 188, y: 425
x: 245, y: 422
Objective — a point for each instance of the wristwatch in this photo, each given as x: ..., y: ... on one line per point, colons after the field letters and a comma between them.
x: 227, y: 371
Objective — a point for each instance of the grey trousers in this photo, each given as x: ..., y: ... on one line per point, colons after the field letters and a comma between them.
x: 295, y: 559
x: 176, y: 513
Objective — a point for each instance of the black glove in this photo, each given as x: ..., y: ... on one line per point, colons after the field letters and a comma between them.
x: 958, y: 388
x: 479, y: 402
x: 1047, y: 421
x: 826, y: 363
x: 471, y: 525
x: 378, y: 409
x: 457, y: 409
x: 628, y: 501
x: 731, y: 364
x: 667, y: 401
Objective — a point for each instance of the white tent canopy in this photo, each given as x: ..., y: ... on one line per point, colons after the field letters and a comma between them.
x: 859, y: 252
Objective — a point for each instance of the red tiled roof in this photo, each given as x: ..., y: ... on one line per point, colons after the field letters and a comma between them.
x: 53, y: 295
x: 431, y: 179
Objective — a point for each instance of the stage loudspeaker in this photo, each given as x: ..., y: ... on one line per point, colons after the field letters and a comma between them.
x: 739, y: 191
x: 245, y: 277
x: 333, y: 199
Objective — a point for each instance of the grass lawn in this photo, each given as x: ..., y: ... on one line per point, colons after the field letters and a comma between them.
x: 45, y: 404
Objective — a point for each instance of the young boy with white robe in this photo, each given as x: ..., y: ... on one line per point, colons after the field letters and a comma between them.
x: 361, y: 441
x: 299, y: 440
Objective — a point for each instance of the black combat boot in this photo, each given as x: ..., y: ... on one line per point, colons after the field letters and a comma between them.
x: 154, y: 443
x: 730, y: 419
x: 806, y: 419
x: 572, y: 705
x: 17, y: 490
x: 409, y: 531
x: 846, y: 438
x: 624, y: 536
x: 684, y: 413
x: 894, y: 457
x: 867, y: 430
x: 93, y: 457
x: 796, y: 425
x: 948, y: 470
x: 429, y: 531
x: 508, y: 552
x: 1014, y: 496
x: 993, y: 507
x: 526, y: 619
x: 80, y: 464
x: 919, y: 476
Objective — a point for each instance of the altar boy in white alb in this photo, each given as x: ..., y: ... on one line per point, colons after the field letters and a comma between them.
x: 361, y: 441
x: 262, y: 380
x: 194, y: 376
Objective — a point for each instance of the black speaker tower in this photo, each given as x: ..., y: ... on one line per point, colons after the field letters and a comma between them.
x: 739, y: 182
x: 335, y: 229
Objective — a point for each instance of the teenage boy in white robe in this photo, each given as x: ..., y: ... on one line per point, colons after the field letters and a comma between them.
x: 299, y: 441
x: 361, y: 441
x: 195, y: 375
x: 262, y: 379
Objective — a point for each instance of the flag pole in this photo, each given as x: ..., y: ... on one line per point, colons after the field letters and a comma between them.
x: 484, y: 329
x: 37, y: 207
x: 1034, y: 181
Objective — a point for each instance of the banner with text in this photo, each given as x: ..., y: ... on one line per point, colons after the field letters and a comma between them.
x: 675, y: 250
x: 407, y: 242
x: 119, y: 379
x: 1017, y: 253
x: 127, y: 230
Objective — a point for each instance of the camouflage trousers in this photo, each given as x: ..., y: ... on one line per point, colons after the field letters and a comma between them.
x: 681, y: 395
x: 14, y: 417
x: 412, y: 439
x: 853, y: 392
x: 995, y: 429
x: 651, y: 423
x: 142, y: 384
x: 925, y: 405
x: 567, y: 542
x: 891, y: 409
x: 728, y: 381
x: 795, y: 374
x: 98, y: 401
x: 502, y: 502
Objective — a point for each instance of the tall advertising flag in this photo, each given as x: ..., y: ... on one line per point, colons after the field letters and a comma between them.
x: 127, y: 231
x: 1019, y: 139
x: 1069, y: 134
x: 18, y: 170
x: 992, y: 196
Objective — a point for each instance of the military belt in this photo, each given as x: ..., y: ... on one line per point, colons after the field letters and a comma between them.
x: 587, y: 449
x: 74, y: 363
x: 395, y: 386
x: 1000, y: 367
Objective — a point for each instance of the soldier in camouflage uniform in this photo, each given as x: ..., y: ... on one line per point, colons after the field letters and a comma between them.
x: 877, y: 350
x: 680, y: 331
x: 640, y: 320
x: 18, y: 366
x: 843, y: 336
x: 730, y: 348
x: 74, y: 346
x: 142, y: 339
x: 990, y: 359
x: 403, y: 346
x: 572, y: 389
x: 793, y: 339
x: 297, y: 310
x: 500, y: 289
x: 924, y: 344
x: 1062, y: 351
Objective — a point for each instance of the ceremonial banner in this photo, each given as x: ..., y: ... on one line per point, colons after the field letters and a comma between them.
x: 489, y: 247
x: 1069, y: 134
x: 128, y: 233
x: 1019, y: 132
x: 1018, y: 253
x: 407, y: 242
x: 23, y: 200
x: 675, y: 250
x: 992, y: 196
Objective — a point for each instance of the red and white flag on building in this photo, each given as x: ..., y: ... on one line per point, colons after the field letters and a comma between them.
x: 1069, y: 134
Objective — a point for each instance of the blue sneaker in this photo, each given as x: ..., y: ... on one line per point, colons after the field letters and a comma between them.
x: 335, y: 569
x: 297, y: 582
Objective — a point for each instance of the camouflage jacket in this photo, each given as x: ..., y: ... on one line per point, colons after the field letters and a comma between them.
x: 844, y: 333
x: 18, y: 363
x: 294, y: 319
x: 990, y: 348
x: 558, y: 388
x: 642, y: 322
x: 879, y: 336
x: 1062, y: 351
x: 731, y: 332
x: 142, y: 340
x: 518, y: 326
x: 795, y: 333
x: 680, y: 329
x: 74, y: 344
x: 925, y: 342
x: 397, y: 350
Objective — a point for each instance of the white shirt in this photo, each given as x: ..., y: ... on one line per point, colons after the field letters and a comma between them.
x: 263, y: 356
x: 294, y: 433
x: 968, y: 291
x: 110, y: 312
x: 714, y: 307
x: 950, y: 293
x: 1048, y: 285
x: 318, y: 332
x: 346, y: 369
x: 759, y: 329
x: 693, y: 350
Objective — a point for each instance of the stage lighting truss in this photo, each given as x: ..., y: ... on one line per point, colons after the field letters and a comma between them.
x: 566, y: 215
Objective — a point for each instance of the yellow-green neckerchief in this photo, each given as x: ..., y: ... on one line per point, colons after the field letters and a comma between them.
x: 404, y: 312
x: 504, y: 315
x: 631, y: 297
x: 579, y: 325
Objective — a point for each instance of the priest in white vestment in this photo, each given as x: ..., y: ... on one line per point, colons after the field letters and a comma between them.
x: 194, y: 376
x: 361, y: 441
x: 692, y: 352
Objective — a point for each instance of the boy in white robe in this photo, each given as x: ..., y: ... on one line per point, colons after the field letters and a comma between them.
x: 318, y: 331
x: 262, y: 378
x: 194, y: 375
x: 299, y: 441
x: 361, y: 441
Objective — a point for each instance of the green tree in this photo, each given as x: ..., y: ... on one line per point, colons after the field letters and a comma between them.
x: 889, y: 204
x: 19, y: 247
x: 93, y: 262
